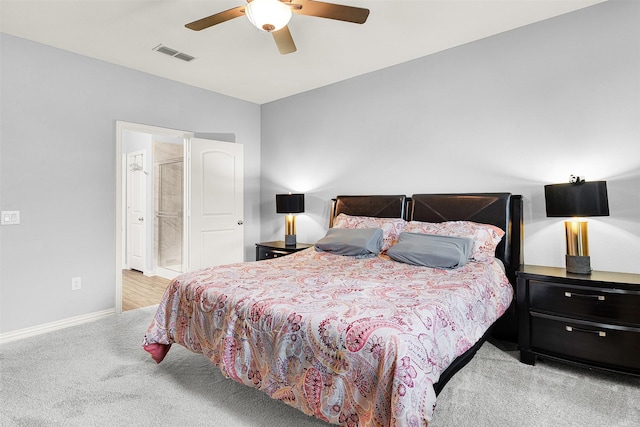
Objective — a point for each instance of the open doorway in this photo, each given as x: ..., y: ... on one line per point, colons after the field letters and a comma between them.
x: 150, y: 217
x: 154, y: 185
x: 154, y: 230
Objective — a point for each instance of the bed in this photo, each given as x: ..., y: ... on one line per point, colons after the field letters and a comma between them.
x: 355, y: 340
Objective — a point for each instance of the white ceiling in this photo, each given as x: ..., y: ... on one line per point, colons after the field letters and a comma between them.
x: 236, y: 59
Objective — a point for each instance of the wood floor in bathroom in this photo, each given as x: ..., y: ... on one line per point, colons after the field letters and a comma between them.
x: 140, y: 291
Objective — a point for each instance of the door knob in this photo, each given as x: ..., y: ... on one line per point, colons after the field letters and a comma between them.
x: 141, y: 219
x: 240, y: 222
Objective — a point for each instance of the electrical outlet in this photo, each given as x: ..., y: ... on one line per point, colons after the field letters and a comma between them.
x: 76, y: 283
x: 10, y: 218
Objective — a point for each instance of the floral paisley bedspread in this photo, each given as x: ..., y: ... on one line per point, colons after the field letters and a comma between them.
x: 356, y: 342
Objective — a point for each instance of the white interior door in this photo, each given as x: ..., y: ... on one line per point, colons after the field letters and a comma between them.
x: 216, y: 206
x: 136, y: 208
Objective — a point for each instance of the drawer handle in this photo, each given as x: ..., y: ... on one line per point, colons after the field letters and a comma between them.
x: 598, y: 297
x: 572, y: 329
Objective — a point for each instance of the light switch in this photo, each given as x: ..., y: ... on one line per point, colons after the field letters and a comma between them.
x: 10, y: 217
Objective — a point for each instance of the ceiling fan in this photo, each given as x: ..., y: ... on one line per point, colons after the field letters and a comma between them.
x: 273, y: 16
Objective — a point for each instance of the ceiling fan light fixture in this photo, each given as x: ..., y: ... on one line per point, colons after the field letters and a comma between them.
x: 268, y: 15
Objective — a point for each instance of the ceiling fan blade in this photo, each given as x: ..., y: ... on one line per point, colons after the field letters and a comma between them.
x: 284, y: 41
x: 338, y: 12
x: 218, y: 18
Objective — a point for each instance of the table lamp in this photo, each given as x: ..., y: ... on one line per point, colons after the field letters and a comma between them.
x: 289, y: 204
x: 577, y: 199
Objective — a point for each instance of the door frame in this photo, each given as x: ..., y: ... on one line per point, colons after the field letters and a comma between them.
x: 121, y: 169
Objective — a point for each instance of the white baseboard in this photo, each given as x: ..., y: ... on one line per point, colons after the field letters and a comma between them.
x: 54, y: 326
x: 166, y: 274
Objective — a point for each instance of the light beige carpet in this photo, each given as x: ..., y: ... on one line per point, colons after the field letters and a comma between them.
x: 98, y: 375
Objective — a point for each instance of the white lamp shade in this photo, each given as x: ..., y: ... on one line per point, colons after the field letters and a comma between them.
x: 268, y: 15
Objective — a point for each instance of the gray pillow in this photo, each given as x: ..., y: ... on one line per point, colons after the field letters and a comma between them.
x: 359, y: 242
x: 430, y: 250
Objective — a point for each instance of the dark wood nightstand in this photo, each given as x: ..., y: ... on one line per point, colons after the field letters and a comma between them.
x: 270, y: 250
x: 590, y: 320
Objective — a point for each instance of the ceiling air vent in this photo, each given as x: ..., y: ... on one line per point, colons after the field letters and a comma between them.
x: 172, y: 52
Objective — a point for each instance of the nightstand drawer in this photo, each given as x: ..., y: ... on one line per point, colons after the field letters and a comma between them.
x: 597, y: 304
x: 265, y: 253
x: 586, y: 342
x: 277, y: 249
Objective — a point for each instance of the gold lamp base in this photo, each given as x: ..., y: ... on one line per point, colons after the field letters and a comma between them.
x: 577, y: 258
x: 290, y: 230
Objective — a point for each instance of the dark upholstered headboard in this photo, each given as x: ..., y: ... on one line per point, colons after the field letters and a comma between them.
x: 375, y: 206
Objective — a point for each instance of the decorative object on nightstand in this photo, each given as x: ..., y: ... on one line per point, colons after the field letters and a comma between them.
x: 277, y: 249
x: 591, y: 321
x: 290, y: 204
x: 577, y: 199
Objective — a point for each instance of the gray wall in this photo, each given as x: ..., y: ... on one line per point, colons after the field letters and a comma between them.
x: 58, y: 169
x: 510, y: 113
